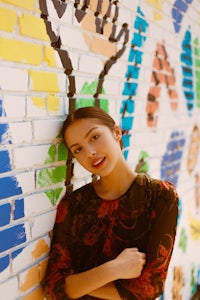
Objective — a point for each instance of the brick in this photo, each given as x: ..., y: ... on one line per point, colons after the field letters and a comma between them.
x: 50, y: 129
x: 5, y: 213
x: 19, y: 51
x: 14, y: 101
x: 25, y: 157
x: 21, y: 132
x: 9, y: 288
x: 12, y: 236
x: 49, y: 56
x: 103, y: 47
x: 29, y: 278
x: 5, y: 165
x: 31, y: 253
x: 36, y: 107
x: 35, y: 294
x: 36, y: 203
x: 43, y: 267
x: 8, y: 19
x: 13, y: 79
x: 44, y: 81
x: 73, y: 38
x: 32, y: 26
x: 9, y: 187
x: 26, y: 180
x: 54, y: 105
x: 43, y: 223
x: 90, y: 64
x: 28, y: 4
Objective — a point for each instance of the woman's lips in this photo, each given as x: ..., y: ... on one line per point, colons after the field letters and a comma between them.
x: 98, y: 163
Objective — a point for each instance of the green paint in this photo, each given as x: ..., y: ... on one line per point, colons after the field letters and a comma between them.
x: 183, y: 240
x: 143, y: 164
x: 53, y: 175
x: 58, y: 153
x: 90, y: 89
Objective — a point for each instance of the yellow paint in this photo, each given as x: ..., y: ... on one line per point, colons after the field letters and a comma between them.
x: 194, y: 227
x: 39, y: 102
x: 28, y: 4
x: 19, y: 51
x: 35, y: 295
x: 44, y: 81
x: 158, y: 5
x: 157, y: 16
x: 49, y: 56
x: 53, y: 103
x: 31, y: 279
x: 41, y: 248
x: 7, y: 19
x: 155, y: 3
x: 33, y: 27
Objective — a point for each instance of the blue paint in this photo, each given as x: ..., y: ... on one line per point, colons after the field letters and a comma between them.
x: 12, y: 237
x: 179, y: 9
x: 187, y: 72
x: 16, y: 253
x: 4, y: 262
x: 15, y: 235
x: 9, y: 187
x: 4, y: 136
x: 171, y: 160
x: 4, y: 161
x: 5, y: 213
x: 182, y: 5
x: 130, y: 88
x: 19, y: 209
x: 132, y: 72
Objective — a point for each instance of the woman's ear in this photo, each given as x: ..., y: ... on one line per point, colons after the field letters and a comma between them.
x: 117, y: 133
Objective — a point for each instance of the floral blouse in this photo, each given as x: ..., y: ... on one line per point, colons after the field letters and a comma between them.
x: 89, y: 231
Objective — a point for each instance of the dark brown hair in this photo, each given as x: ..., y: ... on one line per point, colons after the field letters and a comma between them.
x: 89, y: 112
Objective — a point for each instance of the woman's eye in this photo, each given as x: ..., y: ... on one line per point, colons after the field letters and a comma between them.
x: 95, y: 137
x: 76, y: 151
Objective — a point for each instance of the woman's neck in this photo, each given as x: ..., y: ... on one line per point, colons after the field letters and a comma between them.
x: 116, y: 184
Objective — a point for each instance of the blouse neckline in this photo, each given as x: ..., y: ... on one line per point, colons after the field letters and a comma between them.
x: 117, y: 199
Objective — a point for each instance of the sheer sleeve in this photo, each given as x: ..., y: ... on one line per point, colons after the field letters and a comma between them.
x: 160, y: 246
x: 59, y: 264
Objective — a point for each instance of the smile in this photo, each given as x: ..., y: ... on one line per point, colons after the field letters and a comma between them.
x: 98, y: 163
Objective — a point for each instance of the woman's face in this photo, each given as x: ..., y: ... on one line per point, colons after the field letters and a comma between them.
x: 94, y: 145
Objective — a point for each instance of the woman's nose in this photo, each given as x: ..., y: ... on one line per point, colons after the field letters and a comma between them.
x: 91, y: 151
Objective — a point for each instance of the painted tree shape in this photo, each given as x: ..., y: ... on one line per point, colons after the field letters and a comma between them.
x: 127, y: 109
x: 162, y: 75
x: 104, y: 16
x: 197, y: 68
x: 179, y: 9
x: 187, y: 71
x: 171, y: 160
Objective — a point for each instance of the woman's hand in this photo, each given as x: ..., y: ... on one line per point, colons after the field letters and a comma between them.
x: 129, y: 263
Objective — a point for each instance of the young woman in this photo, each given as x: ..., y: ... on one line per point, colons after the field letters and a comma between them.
x: 113, y: 238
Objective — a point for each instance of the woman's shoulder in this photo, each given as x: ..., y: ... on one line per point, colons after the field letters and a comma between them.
x: 157, y: 187
x: 78, y: 195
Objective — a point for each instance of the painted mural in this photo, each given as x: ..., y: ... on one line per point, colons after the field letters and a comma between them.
x: 139, y: 61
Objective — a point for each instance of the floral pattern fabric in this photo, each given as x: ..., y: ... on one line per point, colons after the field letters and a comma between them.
x: 89, y: 231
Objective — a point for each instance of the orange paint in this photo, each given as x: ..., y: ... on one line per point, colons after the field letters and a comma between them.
x: 41, y: 248
x: 31, y: 279
x: 35, y: 295
x: 162, y: 76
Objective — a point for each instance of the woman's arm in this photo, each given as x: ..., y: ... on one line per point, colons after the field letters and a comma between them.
x: 160, y: 246
x: 95, y: 281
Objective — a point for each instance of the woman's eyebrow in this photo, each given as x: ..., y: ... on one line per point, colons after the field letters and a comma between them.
x: 88, y: 133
